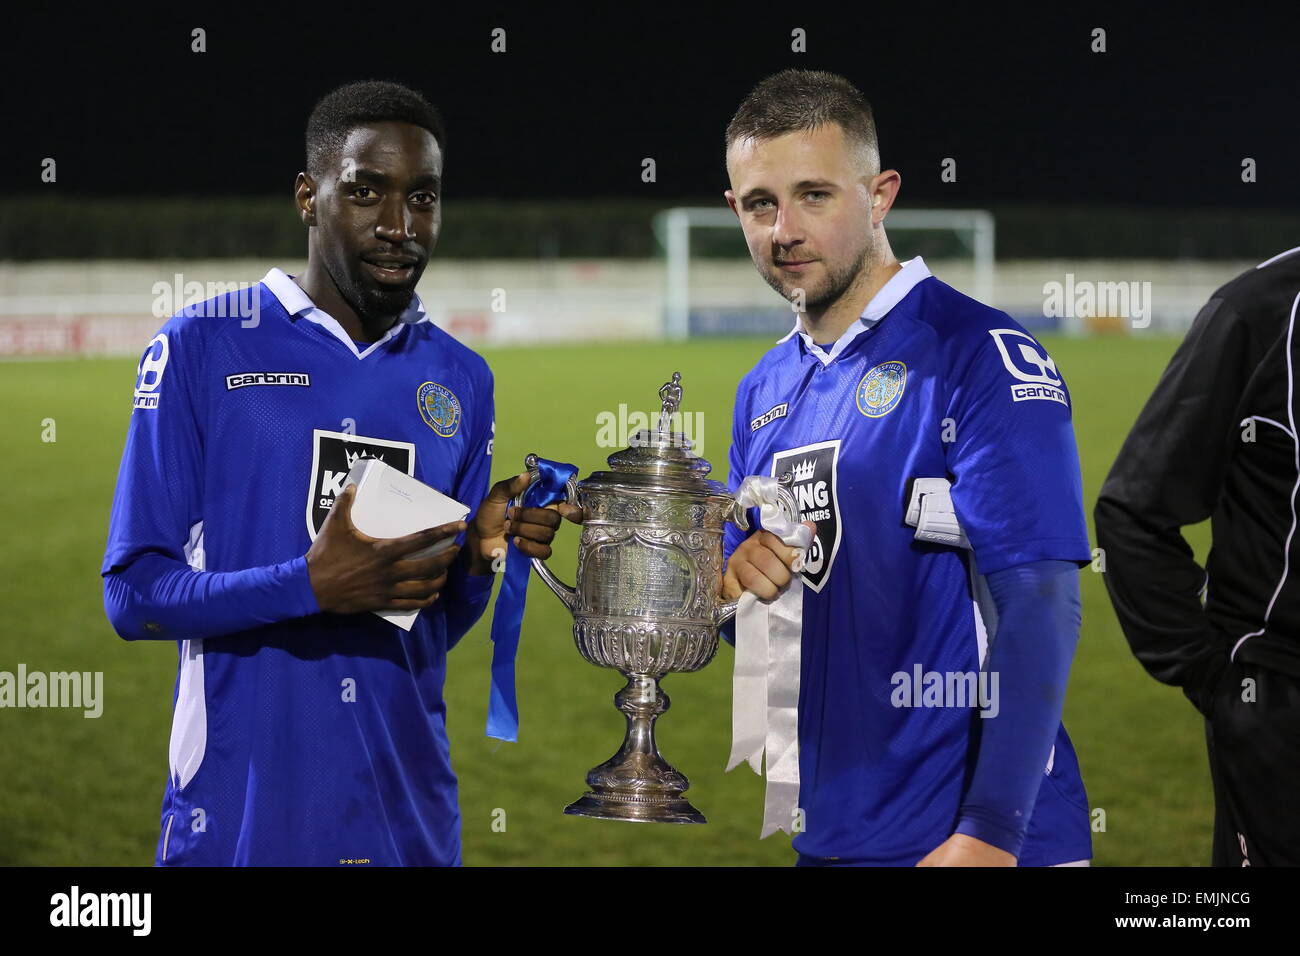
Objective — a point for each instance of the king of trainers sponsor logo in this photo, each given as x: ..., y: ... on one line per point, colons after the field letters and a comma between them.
x: 76, y: 908
x: 922, y: 688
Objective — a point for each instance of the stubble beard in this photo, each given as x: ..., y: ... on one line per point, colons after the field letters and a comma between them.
x: 374, y: 306
x: 838, y: 281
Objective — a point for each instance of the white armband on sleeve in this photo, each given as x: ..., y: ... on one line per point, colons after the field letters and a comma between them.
x: 931, y: 513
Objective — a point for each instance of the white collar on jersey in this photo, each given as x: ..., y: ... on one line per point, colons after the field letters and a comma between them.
x: 297, y: 302
x: 890, y: 294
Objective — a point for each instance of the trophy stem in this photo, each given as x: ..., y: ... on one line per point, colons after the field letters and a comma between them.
x: 636, y: 783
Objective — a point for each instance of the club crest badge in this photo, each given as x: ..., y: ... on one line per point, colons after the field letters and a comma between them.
x: 439, y: 407
x: 813, y: 468
x: 881, y: 389
x: 332, y: 456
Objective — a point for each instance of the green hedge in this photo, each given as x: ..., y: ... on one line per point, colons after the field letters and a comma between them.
x: 63, y: 227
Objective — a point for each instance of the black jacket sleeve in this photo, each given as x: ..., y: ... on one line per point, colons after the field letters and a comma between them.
x: 1169, y: 474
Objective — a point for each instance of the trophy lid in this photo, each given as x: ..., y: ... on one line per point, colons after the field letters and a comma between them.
x: 657, y: 452
x: 660, y: 455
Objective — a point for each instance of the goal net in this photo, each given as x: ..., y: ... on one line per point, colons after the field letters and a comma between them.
x: 713, y: 289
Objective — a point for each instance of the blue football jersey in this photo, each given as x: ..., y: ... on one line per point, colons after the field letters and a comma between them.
x: 928, y: 384
x: 319, y: 740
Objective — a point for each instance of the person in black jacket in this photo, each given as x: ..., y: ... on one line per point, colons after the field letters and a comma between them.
x: 1217, y: 439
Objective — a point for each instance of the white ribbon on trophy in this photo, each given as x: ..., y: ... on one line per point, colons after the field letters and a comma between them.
x: 765, y: 682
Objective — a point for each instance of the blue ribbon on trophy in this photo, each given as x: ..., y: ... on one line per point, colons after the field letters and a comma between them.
x: 549, y: 485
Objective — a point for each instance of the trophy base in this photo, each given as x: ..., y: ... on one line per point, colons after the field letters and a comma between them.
x: 636, y: 784
x: 635, y: 808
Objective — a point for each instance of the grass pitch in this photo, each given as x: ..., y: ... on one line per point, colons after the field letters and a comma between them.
x: 82, y: 791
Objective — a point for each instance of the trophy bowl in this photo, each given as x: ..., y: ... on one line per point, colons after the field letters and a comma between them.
x: 647, y: 600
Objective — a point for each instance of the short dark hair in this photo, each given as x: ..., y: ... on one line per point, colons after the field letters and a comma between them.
x: 358, y: 104
x: 797, y: 100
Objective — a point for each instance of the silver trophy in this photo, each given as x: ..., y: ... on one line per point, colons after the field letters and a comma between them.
x: 647, y: 601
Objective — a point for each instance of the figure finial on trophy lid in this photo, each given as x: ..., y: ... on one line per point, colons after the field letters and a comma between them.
x: 671, y: 396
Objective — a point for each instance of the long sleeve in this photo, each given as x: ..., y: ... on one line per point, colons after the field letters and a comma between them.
x: 1038, y: 627
x: 1018, y: 494
x: 156, y: 504
x: 1169, y: 473
x: 157, y: 597
x: 151, y: 587
x: 465, y: 597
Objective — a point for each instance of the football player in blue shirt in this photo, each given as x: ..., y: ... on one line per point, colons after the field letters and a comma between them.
x: 307, y: 731
x: 890, y: 376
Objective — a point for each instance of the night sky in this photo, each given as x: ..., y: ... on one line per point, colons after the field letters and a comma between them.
x: 1164, y: 117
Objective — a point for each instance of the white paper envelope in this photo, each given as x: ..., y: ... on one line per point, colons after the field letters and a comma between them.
x: 390, y: 503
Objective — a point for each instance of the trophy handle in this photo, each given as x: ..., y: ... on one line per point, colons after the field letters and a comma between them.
x: 740, y: 517
x: 566, y: 593
x: 725, y: 612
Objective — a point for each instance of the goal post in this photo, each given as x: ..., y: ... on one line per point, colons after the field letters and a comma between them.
x: 964, y: 234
